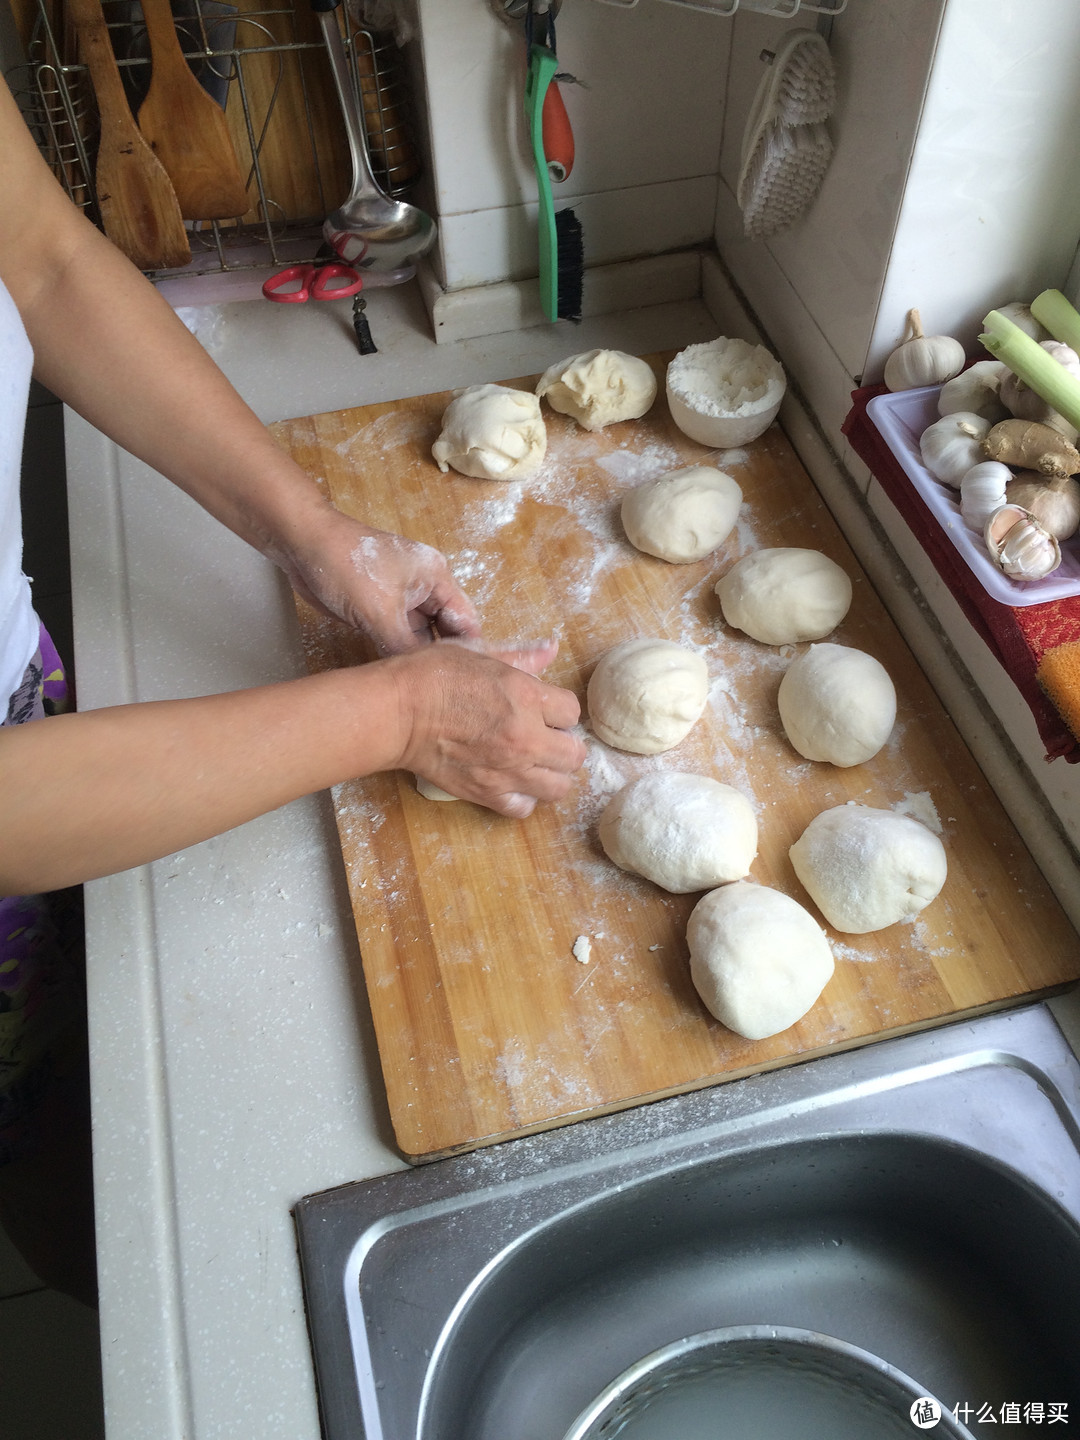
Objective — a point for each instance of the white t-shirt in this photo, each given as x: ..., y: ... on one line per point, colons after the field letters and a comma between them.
x: 18, y: 623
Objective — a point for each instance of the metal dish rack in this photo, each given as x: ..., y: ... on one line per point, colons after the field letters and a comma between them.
x: 267, y: 68
x: 779, y: 9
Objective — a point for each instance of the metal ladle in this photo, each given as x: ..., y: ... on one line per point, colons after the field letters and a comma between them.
x: 370, y: 230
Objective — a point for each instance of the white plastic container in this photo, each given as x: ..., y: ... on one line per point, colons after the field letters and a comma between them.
x: 900, y: 418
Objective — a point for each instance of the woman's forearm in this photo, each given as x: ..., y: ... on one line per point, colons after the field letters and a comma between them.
x: 107, y: 343
x: 87, y: 794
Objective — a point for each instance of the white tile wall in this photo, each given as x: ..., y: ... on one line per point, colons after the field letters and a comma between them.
x: 481, y: 247
x: 991, y: 209
x: 956, y: 129
x: 647, y: 120
x: 817, y: 286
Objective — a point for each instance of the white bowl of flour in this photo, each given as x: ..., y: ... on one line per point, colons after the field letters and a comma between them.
x: 724, y: 392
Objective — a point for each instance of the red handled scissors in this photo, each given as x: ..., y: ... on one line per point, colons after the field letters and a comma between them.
x: 313, y: 282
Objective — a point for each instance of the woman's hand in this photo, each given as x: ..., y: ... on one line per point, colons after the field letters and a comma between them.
x: 392, y: 588
x: 485, y: 728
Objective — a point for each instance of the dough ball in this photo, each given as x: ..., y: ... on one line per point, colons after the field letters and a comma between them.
x: 599, y: 387
x: 683, y: 832
x: 492, y: 433
x: 837, y: 704
x: 865, y: 869
x: 430, y: 791
x: 784, y: 595
x: 757, y: 958
x: 682, y: 516
x: 646, y: 695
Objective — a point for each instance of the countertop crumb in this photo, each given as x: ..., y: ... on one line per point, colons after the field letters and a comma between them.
x: 583, y: 949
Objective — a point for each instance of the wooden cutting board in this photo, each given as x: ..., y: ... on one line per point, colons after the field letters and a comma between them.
x: 487, y: 1025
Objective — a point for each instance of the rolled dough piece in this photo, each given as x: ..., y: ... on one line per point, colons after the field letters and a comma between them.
x: 645, y: 696
x: 866, y: 869
x: 432, y: 792
x: 492, y: 433
x: 682, y: 516
x: 599, y: 387
x: 837, y: 704
x: 758, y: 959
x: 684, y: 832
x: 784, y: 595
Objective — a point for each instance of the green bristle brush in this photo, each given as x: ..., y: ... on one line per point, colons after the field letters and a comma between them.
x: 561, y: 248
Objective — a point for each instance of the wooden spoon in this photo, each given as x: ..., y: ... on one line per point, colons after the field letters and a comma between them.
x: 187, y: 129
x: 137, y: 203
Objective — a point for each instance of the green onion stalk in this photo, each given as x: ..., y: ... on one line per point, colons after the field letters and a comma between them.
x: 1035, y: 366
x: 1054, y: 313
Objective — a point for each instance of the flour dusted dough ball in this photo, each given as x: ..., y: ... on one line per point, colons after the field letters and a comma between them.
x: 757, y: 958
x: 837, y: 704
x: 646, y: 695
x: 866, y: 869
x: 684, y: 832
x: 432, y: 792
x: 784, y: 595
x: 599, y: 387
x: 492, y: 433
x: 684, y: 515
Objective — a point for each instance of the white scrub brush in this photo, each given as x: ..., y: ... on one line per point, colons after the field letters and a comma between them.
x: 786, y: 147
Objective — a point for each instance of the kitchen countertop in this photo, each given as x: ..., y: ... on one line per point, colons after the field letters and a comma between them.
x: 233, y: 1062
x: 234, y: 1067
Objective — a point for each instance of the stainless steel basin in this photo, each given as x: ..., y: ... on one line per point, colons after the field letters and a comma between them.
x: 919, y: 1198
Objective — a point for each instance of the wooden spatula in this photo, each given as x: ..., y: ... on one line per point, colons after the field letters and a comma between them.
x: 138, y: 206
x: 186, y: 129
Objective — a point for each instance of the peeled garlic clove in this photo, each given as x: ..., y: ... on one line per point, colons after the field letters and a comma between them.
x: 1020, y: 545
x: 982, y: 491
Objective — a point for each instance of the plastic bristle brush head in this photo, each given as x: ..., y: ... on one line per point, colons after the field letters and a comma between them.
x: 783, y: 177
x: 805, y: 80
x: 570, y: 251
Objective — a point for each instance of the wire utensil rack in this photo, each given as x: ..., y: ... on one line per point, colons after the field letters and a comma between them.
x: 779, y: 9
x: 266, y: 66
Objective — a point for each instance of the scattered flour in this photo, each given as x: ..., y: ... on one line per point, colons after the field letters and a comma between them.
x: 636, y: 467
x: 920, y: 806
x: 579, y: 521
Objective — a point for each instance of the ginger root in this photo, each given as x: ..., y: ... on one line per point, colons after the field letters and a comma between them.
x: 1031, y: 446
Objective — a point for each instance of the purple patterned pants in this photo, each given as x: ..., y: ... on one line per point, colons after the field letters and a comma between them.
x: 41, y: 976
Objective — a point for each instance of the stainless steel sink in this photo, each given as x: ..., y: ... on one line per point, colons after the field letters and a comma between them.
x: 919, y: 1198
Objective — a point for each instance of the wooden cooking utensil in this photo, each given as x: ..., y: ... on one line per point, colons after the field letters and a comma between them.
x: 186, y: 129
x: 24, y: 13
x: 138, y: 207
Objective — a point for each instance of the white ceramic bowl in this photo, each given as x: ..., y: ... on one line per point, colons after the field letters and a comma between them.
x: 704, y: 380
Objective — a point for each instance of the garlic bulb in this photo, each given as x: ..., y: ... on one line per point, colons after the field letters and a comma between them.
x: 976, y: 391
x: 952, y: 445
x: 982, y: 491
x: 1028, y: 404
x: 1020, y: 315
x: 1055, y: 503
x: 923, y: 359
x: 1020, y: 545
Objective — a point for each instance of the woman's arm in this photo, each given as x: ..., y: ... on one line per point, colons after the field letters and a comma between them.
x: 89, y: 794
x: 108, y: 345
